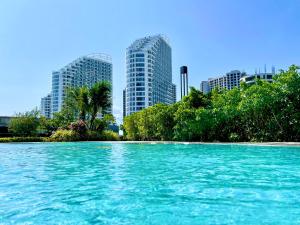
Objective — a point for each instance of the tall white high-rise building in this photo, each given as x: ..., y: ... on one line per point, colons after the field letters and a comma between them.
x: 84, y: 71
x: 149, y: 73
x: 46, y: 106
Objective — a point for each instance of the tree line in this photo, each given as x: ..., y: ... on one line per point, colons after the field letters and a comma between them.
x: 84, y: 116
x: 259, y: 112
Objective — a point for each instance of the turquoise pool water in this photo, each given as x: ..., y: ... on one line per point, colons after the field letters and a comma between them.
x: 103, y: 183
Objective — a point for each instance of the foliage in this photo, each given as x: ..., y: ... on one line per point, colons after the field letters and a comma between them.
x: 80, y: 128
x: 22, y: 139
x: 100, y: 99
x: 65, y: 135
x: 24, y: 124
x: 109, y: 135
x: 86, y: 103
x: 259, y: 112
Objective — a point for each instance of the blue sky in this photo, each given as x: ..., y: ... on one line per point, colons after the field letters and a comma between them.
x: 210, y: 37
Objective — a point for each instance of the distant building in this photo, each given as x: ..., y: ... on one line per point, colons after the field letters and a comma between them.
x: 148, y: 73
x: 204, y: 87
x: 84, y: 71
x: 184, y: 81
x: 227, y: 81
x: 46, y: 106
x: 251, y: 79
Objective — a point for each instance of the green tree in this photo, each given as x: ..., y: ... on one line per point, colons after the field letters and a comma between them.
x: 100, y: 100
x: 196, y: 98
x: 25, y: 124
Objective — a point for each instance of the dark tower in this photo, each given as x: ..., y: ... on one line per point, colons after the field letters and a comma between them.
x: 184, y: 81
x: 124, y: 103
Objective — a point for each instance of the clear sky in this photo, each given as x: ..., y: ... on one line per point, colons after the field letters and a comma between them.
x: 210, y: 37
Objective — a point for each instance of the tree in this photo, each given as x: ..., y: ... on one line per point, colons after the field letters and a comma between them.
x: 100, y: 100
x: 25, y: 124
x: 196, y: 98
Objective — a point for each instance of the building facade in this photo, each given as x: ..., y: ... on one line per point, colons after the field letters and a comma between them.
x: 251, y: 79
x: 204, y: 87
x: 227, y: 81
x: 84, y: 71
x: 148, y: 73
x: 45, y: 109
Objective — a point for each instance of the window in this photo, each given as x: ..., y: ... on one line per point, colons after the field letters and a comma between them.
x: 140, y: 65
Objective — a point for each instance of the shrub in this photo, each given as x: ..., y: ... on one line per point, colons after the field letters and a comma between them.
x: 94, y: 136
x: 103, y: 136
x: 22, y: 139
x: 65, y: 135
x: 79, y: 127
x: 109, y: 135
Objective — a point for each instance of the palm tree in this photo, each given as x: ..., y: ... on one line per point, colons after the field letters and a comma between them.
x: 100, y: 99
x: 78, y: 99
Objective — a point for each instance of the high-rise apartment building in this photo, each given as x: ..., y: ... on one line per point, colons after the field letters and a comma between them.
x: 148, y: 73
x: 228, y: 81
x: 84, y: 71
x: 45, y: 109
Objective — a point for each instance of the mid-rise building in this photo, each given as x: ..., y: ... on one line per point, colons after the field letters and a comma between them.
x: 148, y: 73
x: 45, y: 109
x: 227, y: 81
x: 84, y: 71
x: 251, y: 79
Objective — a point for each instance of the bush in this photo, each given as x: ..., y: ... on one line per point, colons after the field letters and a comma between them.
x: 103, y: 136
x: 80, y: 128
x: 109, y: 135
x: 24, y: 125
x: 65, y: 135
x: 23, y: 139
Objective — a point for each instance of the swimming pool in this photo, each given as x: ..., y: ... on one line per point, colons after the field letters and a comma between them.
x: 117, y: 183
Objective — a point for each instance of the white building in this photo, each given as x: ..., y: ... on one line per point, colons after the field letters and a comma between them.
x: 84, y: 71
x: 251, y: 79
x: 227, y: 81
x: 46, y: 106
x: 149, y: 73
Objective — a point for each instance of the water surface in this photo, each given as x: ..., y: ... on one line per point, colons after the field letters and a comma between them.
x: 104, y: 183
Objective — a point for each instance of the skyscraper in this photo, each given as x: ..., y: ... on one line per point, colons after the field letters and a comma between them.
x: 184, y: 81
x: 84, y: 71
x: 148, y: 73
x: 46, y: 106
